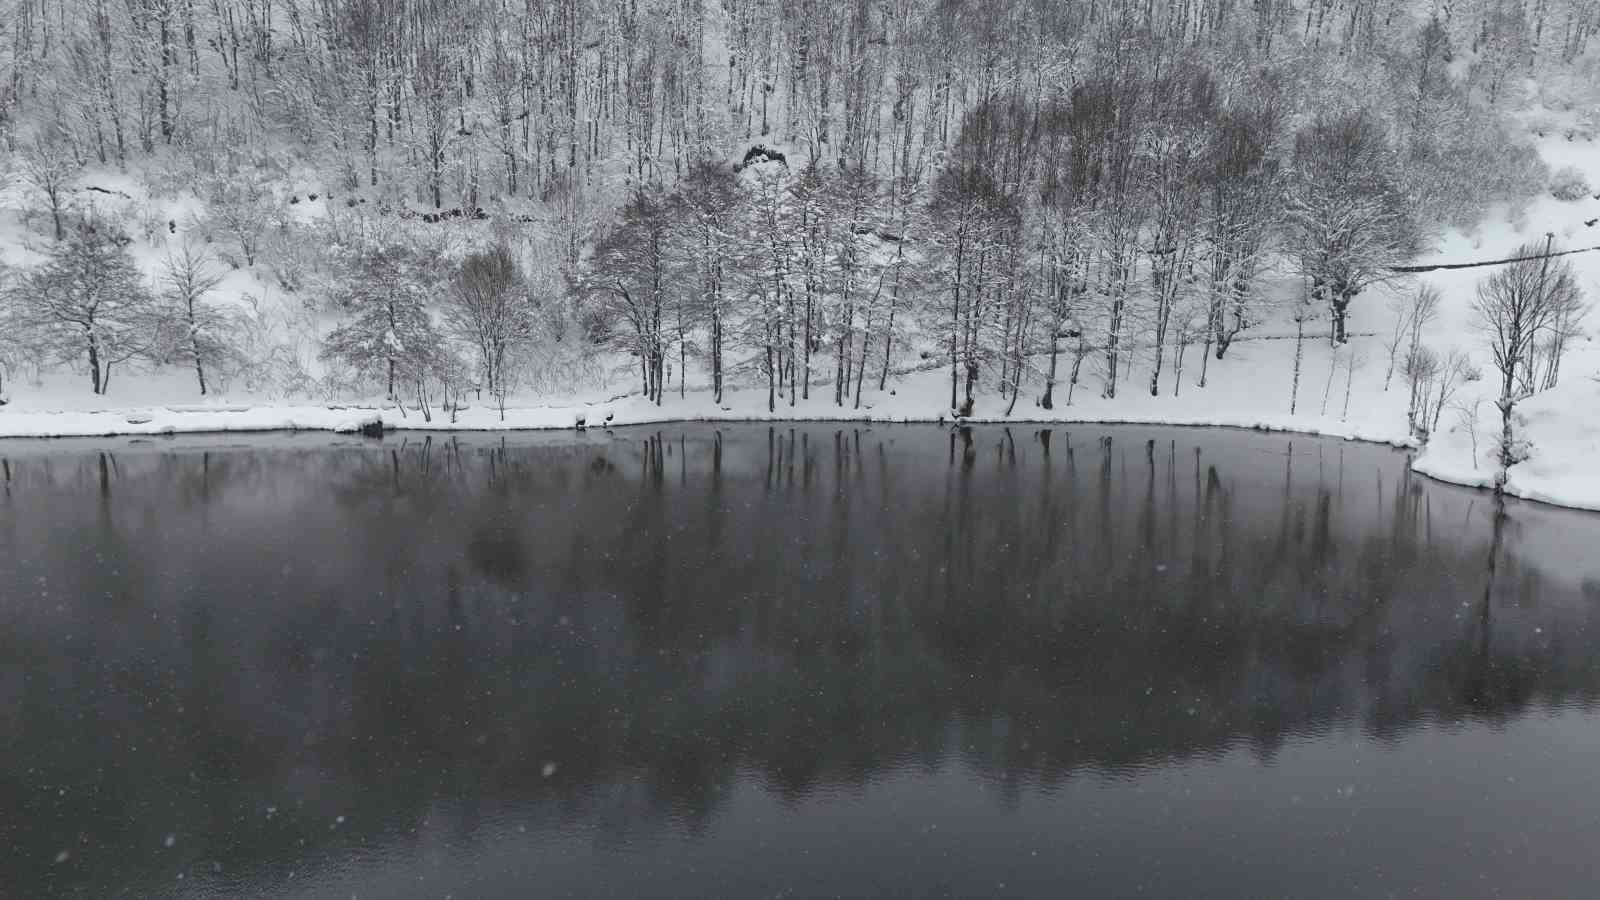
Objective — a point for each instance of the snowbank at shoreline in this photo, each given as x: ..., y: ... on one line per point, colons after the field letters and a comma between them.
x: 1355, y: 392
x: 1563, y: 464
x: 1559, y: 470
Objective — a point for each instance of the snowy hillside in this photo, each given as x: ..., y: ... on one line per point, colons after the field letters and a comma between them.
x: 906, y: 213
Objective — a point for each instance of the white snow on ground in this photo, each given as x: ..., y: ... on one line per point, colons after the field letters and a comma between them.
x: 1563, y: 424
x: 1564, y: 464
x: 1250, y: 388
x: 1236, y: 396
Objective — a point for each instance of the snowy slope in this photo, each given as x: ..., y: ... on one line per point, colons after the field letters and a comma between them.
x: 1251, y: 388
x: 1563, y: 424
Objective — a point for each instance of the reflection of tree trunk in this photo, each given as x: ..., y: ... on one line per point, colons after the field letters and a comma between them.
x: 1478, y: 688
x: 1147, y: 515
x: 1173, y: 505
x: 789, y: 455
x: 1108, y: 532
x: 1285, y: 522
x: 772, y: 440
x: 1050, y: 518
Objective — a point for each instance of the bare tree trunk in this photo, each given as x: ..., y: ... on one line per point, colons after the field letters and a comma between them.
x: 1048, y: 401
x: 1507, y: 441
x: 1349, y: 379
x: 888, y: 332
x: 1299, y: 354
x: 1078, y: 356
x: 1177, y: 362
x: 716, y: 354
x: 422, y: 399
x: 1327, y: 389
x: 1114, y: 327
x: 1341, y: 312
x: 806, y: 386
x: 94, y: 361
x: 772, y: 382
x: 955, y: 322
x: 861, y: 366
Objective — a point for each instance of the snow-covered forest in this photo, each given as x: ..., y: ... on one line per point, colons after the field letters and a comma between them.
x: 1009, y: 206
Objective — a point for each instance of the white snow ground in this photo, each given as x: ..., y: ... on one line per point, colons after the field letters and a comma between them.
x: 1249, y: 389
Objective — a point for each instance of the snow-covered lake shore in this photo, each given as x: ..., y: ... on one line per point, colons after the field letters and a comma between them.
x: 1555, y: 473
x: 1356, y: 392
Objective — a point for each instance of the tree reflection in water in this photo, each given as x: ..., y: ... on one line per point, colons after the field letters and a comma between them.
x: 624, y: 628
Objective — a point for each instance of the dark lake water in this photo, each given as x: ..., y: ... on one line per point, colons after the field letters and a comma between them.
x: 809, y: 662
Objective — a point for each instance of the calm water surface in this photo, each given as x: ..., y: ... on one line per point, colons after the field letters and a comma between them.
x: 810, y: 662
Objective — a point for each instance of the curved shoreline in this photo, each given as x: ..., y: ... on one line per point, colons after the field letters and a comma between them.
x: 165, y: 421
x: 162, y: 421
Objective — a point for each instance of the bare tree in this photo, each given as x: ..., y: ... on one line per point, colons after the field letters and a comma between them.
x: 974, y: 214
x: 1422, y: 366
x: 1348, y: 218
x: 389, y: 329
x: 1242, y: 209
x: 10, y: 331
x: 1177, y: 147
x: 1413, y: 311
x: 487, y: 307
x: 89, y: 303
x: 1352, y: 361
x: 200, y: 331
x: 1300, y: 313
x: 1565, y: 328
x: 765, y: 273
x: 630, y: 279
x: 1467, y: 417
x: 239, y: 205
x: 1456, y: 369
x: 1513, y: 308
x: 705, y: 245
x: 434, y: 93
x: 50, y: 167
